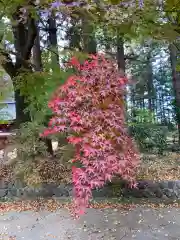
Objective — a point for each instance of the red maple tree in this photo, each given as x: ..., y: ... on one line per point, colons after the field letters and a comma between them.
x: 90, y: 108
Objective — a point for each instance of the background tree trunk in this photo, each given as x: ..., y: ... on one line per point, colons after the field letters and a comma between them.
x: 176, y: 83
x: 150, y: 86
x: 37, y: 61
x: 52, y: 31
x: 89, y: 42
x: 120, y: 53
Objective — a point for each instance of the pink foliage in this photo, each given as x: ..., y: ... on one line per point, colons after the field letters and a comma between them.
x: 90, y: 108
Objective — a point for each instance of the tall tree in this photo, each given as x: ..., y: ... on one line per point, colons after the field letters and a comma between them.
x: 53, y: 43
x: 88, y: 34
x: 38, y: 67
x: 150, y: 86
x: 37, y: 61
x: 174, y: 53
x: 120, y: 52
x: 24, y: 32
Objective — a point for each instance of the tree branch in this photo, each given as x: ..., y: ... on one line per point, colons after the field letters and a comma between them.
x: 127, y: 57
x: 7, y: 63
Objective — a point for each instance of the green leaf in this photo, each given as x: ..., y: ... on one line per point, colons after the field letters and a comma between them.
x: 2, y: 29
x: 178, y: 68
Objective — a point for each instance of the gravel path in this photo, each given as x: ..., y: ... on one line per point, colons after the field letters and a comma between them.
x: 107, y: 224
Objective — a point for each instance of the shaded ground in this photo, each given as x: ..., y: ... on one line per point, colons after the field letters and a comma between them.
x: 154, y: 167
x: 140, y: 223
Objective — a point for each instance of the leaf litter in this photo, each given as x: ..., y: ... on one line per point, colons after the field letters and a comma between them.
x: 53, y: 205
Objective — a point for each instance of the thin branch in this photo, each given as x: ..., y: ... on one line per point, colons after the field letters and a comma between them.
x: 177, y: 47
x: 65, y: 49
x: 8, y: 65
x: 127, y: 57
x: 50, y: 50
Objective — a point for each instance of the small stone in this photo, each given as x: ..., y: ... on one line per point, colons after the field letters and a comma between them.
x: 143, y: 184
x: 153, y: 186
x: 134, y: 192
x: 170, y: 193
x: 3, y: 184
x: 19, y: 184
x: 163, y: 184
x: 158, y: 192
x: 171, y: 184
x: 178, y: 184
x: 3, y: 192
x: 147, y: 193
x: 164, y: 197
x: 60, y: 192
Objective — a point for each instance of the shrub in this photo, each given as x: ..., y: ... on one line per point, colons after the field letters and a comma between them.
x: 89, y: 107
x: 33, y: 165
x: 148, y: 134
x: 28, y: 141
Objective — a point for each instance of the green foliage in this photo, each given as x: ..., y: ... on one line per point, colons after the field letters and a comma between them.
x: 38, y: 87
x: 150, y: 136
x: 147, y: 134
x: 142, y: 116
x: 29, y: 147
x: 176, y: 109
x: 33, y: 165
x: 27, y: 139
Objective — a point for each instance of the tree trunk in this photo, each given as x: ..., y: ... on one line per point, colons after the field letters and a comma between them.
x: 21, y: 105
x: 176, y: 84
x: 121, y: 60
x: 150, y: 86
x: 24, y: 36
x: 74, y: 35
x: 52, y: 31
x: 120, y: 53
x: 37, y: 61
x: 132, y: 94
x: 163, y: 109
x: 89, y: 42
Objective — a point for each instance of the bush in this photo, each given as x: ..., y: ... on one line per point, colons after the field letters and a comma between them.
x: 33, y: 165
x: 90, y: 109
x: 28, y: 141
x: 149, y: 136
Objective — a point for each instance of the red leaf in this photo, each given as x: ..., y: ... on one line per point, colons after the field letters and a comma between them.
x: 89, y: 106
x: 74, y: 62
x: 74, y: 140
